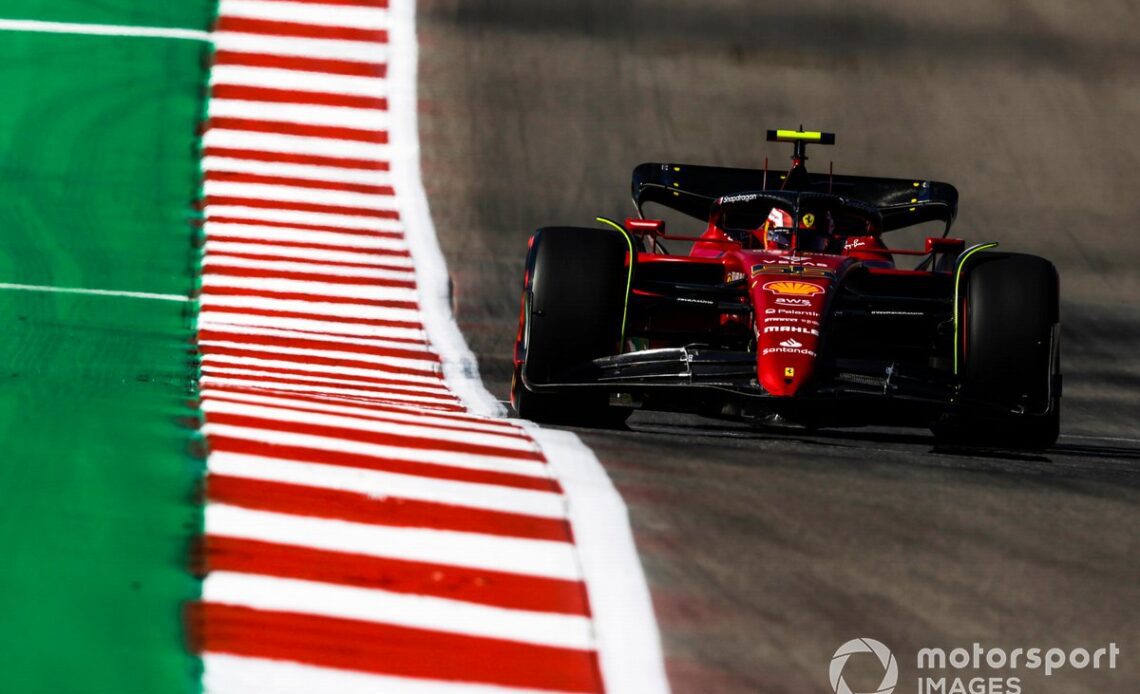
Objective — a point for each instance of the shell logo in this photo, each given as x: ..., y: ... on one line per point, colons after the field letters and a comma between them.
x: 794, y: 288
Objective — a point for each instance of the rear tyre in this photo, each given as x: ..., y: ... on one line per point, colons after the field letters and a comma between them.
x: 1010, y: 354
x: 574, y: 303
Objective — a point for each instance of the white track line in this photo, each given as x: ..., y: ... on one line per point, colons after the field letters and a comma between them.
x: 92, y: 292
x: 460, y: 366
x: 628, y: 642
x: 629, y: 647
x: 36, y: 26
x: 511, y: 555
x: 487, y: 497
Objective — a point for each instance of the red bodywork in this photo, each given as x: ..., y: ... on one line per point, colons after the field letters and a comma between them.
x: 789, y: 291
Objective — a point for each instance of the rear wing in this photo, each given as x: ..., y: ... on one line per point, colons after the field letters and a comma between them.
x: 692, y: 190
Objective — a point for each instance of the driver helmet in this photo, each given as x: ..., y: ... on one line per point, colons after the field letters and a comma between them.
x: 813, y: 230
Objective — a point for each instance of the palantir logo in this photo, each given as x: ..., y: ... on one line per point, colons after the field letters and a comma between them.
x: 854, y: 646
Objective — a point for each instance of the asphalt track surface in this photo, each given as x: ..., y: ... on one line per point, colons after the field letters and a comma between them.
x: 765, y: 550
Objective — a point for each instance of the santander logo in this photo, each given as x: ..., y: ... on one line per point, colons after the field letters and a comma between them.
x: 791, y: 343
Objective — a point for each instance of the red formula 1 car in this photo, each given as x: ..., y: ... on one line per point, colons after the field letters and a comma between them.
x: 790, y: 308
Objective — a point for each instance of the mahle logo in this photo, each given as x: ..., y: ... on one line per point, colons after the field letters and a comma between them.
x: 854, y: 647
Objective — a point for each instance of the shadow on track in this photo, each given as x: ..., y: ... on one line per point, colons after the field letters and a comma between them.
x: 1103, y: 461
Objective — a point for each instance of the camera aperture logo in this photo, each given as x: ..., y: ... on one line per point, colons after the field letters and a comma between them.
x: 856, y: 646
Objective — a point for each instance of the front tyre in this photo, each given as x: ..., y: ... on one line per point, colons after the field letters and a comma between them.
x: 573, y: 310
x: 1009, y: 354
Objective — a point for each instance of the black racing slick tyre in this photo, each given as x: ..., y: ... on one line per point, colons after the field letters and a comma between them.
x: 1009, y: 354
x: 574, y: 303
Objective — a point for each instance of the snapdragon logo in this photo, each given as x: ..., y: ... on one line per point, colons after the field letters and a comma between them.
x: 856, y: 646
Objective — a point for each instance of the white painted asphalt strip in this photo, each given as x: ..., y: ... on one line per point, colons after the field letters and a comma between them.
x: 92, y: 292
x: 331, y: 174
x: 427, y: 456
x: 295, y: 144
x: 629, y: 644
x: 361, y: 273
x: 215, y: 317
x: 303, y: 13
x: 509, y: 554
x: 330, y: 49
x: 298, y: 80
x: 342, y: 221
x: 36, y: 26
x: 487, y: 497
x: 286, y: 193
x: 400, y: 609
x: 468, y: 422
x: 460, y: 367
x: 368, y: 425
x: 228, y: 674
x: 358, y: 118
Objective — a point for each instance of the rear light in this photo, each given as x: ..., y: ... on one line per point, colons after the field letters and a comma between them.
x: 651, y: 227
x: 937, y: 244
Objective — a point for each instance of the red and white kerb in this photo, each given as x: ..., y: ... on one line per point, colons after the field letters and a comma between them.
x: 368, y: 527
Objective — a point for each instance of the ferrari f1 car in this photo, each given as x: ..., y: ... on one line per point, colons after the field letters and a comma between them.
x: 789, y: 307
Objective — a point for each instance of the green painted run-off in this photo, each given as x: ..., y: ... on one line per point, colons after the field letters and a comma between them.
x: 176, y: 14
x: 98, y: 460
